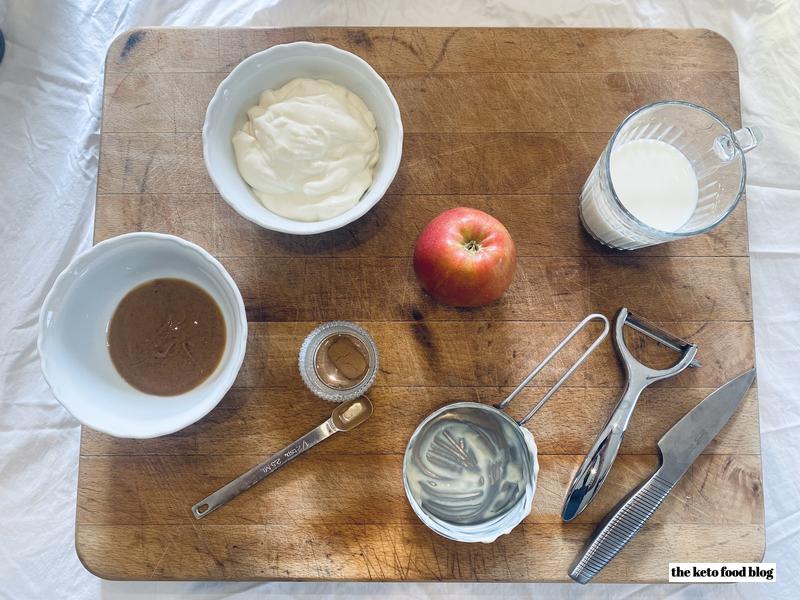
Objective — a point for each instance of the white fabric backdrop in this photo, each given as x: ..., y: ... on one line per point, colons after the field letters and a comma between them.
x: 50, y: 103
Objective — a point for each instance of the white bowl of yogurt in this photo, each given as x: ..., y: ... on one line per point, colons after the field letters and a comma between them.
x: 231, y: 109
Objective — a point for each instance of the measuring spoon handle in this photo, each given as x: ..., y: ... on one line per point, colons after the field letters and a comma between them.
x: 247, y: 480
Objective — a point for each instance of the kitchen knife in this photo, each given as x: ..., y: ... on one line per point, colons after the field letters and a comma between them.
x: 678, y: 449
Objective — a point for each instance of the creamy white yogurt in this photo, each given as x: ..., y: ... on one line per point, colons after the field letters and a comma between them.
x: 308, y: 149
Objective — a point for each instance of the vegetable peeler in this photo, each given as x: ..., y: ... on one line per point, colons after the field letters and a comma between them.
x: 592, y: 473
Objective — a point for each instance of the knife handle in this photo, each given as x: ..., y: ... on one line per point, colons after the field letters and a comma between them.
x: 619, y: 526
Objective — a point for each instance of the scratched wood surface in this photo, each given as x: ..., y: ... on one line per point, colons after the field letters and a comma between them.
x: 506, y: 120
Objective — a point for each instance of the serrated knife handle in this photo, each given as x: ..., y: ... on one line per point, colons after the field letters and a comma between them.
x: 619, y: 526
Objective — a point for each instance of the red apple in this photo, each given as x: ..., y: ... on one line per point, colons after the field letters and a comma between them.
x: 465, y: 257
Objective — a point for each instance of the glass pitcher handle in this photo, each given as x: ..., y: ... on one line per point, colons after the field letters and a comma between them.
x: 748, y: 138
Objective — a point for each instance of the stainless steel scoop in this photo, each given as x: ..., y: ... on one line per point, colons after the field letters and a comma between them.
x: 469, y: 469
x: 346, y: 416
x: 595, y: 468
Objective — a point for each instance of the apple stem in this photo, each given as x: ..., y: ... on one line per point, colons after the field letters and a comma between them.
x: 472, y: 246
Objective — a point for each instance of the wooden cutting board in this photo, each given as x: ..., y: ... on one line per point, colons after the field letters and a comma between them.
x: 506, y: 120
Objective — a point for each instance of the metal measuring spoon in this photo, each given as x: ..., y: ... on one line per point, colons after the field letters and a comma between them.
x: 346, y: 416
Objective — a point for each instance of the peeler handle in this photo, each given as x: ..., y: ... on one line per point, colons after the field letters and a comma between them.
x: 597, y: 464
x: 619, y: 526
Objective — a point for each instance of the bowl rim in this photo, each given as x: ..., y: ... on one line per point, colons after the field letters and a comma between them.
x: 227, y: 377
x: 361, y: 208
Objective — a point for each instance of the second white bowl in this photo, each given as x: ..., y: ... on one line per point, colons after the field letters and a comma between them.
x: 73, y: 327
x: 270, y: 69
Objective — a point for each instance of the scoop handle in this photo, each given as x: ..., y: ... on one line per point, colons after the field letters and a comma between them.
x: 247, y: 480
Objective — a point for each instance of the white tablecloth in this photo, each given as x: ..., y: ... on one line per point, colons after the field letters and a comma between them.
x: 50, y: 104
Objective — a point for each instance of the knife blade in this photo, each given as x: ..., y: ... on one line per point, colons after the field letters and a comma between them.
x: 678, y: 449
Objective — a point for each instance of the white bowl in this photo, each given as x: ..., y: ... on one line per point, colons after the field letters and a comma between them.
x: 73, y: 326
x: 271, y: 69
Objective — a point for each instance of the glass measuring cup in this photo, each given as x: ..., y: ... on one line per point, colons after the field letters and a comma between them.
x: 338, y: 361
x: 714, y: 150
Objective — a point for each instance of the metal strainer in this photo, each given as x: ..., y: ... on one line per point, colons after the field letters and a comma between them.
x: 469, y: 469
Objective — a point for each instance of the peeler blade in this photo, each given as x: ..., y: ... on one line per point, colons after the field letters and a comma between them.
x: 656, y: 333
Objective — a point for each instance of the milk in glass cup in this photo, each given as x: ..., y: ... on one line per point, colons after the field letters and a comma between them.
x: 672, y: 169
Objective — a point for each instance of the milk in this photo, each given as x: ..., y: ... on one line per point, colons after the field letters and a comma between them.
x: 653, y: 180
